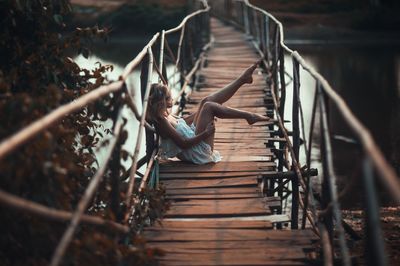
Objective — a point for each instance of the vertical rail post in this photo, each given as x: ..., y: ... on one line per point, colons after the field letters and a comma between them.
x: 267, y: 38
x: 282, y: 98
x: 329, y: 186
x: 257, y: 28
x: 262, y: 33
x: 308, y: 156
x: 296, y: 143
x: 282, y: 101
x: 327, y: 219
x: 275, y: 59
x: 150, y: 144
x: 246, y: 18
x: 115, y: 179
x: 374, y: 246
x: 161, y: 62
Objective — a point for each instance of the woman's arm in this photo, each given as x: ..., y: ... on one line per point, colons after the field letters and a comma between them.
x: 168, y: 131
x: 189, y: 118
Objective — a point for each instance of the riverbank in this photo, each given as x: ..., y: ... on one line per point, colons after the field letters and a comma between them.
x: 335, y: 21
x: 128, y: 19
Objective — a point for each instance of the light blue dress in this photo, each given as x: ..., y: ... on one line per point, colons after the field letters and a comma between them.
x: 199, y: 154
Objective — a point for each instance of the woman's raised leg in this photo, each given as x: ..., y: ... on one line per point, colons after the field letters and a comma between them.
x: 210, y: 110
x: 229, y: 90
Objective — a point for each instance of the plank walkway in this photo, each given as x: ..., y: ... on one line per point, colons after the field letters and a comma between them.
x: 218, y: 216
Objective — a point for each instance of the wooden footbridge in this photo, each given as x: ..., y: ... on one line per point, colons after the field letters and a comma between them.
x: 219, y: 214
x: 231, y: 212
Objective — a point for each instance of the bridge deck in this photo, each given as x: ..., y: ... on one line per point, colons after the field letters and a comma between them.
x: 218, y: 215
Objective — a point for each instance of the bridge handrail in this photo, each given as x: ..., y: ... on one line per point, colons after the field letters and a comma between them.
x: 388, y: 176
x: 256, y: 22
x: 11, y: 143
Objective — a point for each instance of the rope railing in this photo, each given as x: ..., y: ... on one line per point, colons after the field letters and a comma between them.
x: 186, y: 60
x: 267, y: 35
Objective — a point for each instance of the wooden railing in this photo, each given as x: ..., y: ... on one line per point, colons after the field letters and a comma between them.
x: 193, y: 35
x: 266, y: 33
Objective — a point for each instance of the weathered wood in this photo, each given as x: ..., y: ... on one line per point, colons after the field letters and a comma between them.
x: 217, y: 213
x: 210, y: 175
x: 157, y: 234
x: 203, y: 191
x: 221, y: 182
x: 178, y: 166
x: 213, y: 196
x: 215, y: 224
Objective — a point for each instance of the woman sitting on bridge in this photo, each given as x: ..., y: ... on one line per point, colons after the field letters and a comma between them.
x: 191, y: 138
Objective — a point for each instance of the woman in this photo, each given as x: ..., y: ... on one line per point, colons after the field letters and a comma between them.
x: 191, y: 138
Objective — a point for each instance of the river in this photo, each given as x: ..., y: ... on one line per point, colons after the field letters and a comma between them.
x: 368, y: 78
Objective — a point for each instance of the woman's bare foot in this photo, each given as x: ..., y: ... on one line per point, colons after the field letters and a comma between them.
x: 254, y: 118
x: 246, y: 76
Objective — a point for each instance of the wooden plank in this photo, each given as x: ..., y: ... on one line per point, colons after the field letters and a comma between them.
x: 179, y: 167
x: 232, y: 245
x: 221, y: 182
x: 186, y: 234
x: 211, y: 191
x: 214, y: 196
x: 211, y: 175
x: 223, y: 202
x: 217, y: 208
x: 214, y: 224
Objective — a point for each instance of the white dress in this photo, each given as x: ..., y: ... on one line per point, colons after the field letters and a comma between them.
x: 200, y: 153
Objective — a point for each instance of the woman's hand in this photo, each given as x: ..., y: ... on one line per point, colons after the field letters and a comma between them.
x: 210, y: 129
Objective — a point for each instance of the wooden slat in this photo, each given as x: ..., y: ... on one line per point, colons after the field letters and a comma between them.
x: 186, y: 234
x: 214, y: 224
x: 211, y: 175
x: 221, y: 182
x: 178, y: 167
x: 211, y: 191
x: 213, y: 196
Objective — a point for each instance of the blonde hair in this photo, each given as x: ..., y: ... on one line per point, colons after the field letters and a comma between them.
x: 157, y: 102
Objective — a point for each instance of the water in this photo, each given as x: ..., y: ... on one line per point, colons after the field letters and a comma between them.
x: 368, y: 78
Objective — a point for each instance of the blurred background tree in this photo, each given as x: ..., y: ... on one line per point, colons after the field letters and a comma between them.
x: 37, y: 76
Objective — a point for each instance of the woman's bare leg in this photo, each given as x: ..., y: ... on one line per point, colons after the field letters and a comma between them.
x: 229, y: 90
x: 211, y: 109
x: 224, y: 94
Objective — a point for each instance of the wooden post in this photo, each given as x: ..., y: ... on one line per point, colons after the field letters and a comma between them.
x: 329, y: 186
x: 275, y: 59
x: 115, y: 180
x: 282, y: 101
x: 115, y: 160
x: 246, y: 18
x: 161, y: 62
x: 374, y: 246
x: 150, y: 144
x: 296, y: 142
x: 262, y: 33
x: 327, y: 219
x: 274, y: 87
x: 257, y: 28
x: 309, y: 151
x: 267, y: 39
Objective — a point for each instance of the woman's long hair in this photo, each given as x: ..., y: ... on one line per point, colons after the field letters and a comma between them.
x: 157, y: 102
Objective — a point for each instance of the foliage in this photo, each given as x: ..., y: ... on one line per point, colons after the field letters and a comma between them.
x: 142, y: 18
x: 36, y: 77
